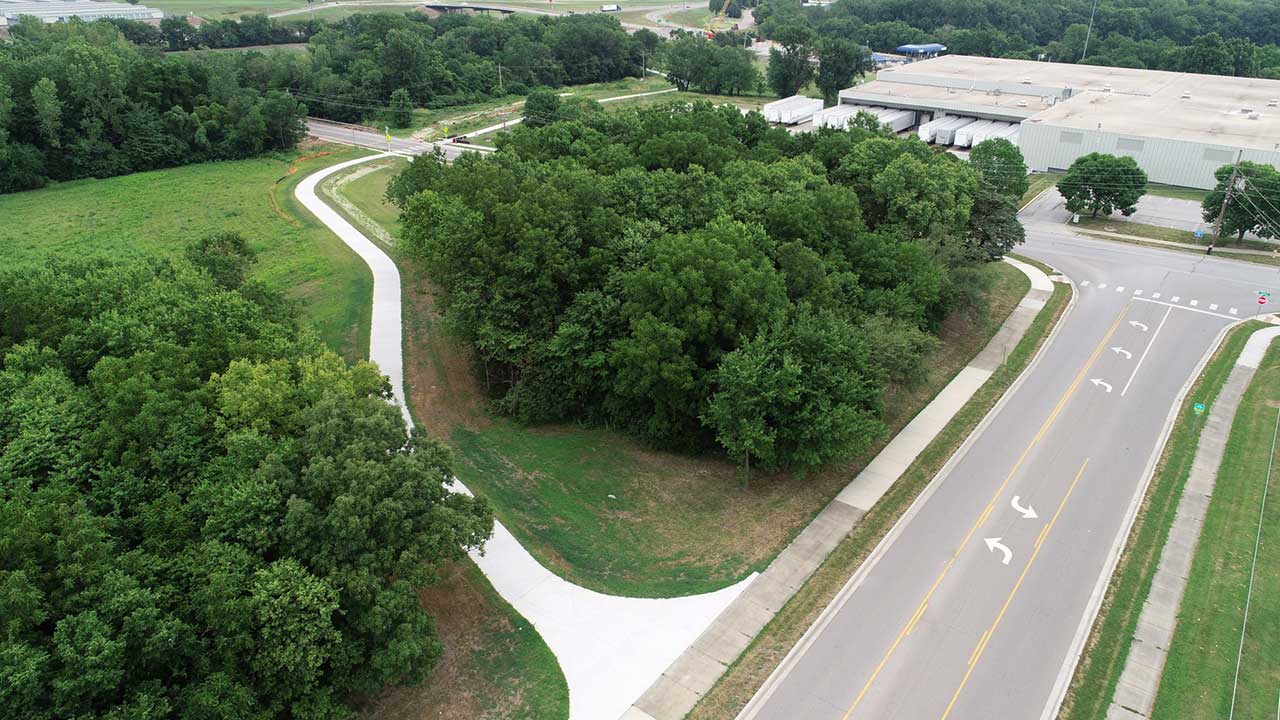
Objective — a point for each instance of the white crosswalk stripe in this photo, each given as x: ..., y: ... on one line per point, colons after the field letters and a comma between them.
x: 1195, y: 303
x: 1155, y: 295
x: 1213, y: 306
x: 1173, y: 299
x: 1084, y: 283
x: 1102, y: 286
x: 1232, y: 311
x: 1137, y: 292
x: 1119, y: 288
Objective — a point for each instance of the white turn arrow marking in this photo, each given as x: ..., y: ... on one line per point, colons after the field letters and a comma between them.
x: 1028, y: 512
x: 994, y: 544
x: 1121, y: 351
x: 1137, y: 324
x: 1101, y: 383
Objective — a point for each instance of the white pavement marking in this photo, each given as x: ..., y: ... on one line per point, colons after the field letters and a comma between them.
x: 1084, y: 283
x: 1121, y: 351
x: 1183, y: 307
x: 610, y: 648
x: 1213, y: 306
x: 1138, y: 366
x: 1175, y: 299
x: 1102, y: 286
x: 1141, y: 325
x: 994, y: 544
x: 1119, y: 288
x: 1137, y: 292
x: 1194, y: 303
x: 1028, y: 512
x: 1155, y: 295
x: 1233, y: 311
x: 1099, y: 382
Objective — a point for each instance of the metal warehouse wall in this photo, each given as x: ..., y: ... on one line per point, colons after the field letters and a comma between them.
x: 1172, y: 162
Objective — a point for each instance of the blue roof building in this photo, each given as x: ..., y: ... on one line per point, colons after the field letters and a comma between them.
x: 923, y: 50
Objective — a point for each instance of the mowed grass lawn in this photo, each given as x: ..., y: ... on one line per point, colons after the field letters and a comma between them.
x: 1198, y: 677
x: 605, y: 511
x: 156, y: 214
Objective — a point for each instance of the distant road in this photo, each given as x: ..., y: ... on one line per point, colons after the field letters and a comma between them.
x: 351, y: 135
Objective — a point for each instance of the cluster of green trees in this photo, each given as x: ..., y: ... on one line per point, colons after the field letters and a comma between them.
x: 693, y: 62
x: 699, y: 278
x: 354, y: 67
x: 1099, y: 183
x: 78, y: 100
x: 203, y: 513
x: 1184, y: 36
x: 1254, y: 204
x: 175, y: 33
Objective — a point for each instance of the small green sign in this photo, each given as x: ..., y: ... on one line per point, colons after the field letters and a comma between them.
x: 1199, y: 408
x: 1263, y: 293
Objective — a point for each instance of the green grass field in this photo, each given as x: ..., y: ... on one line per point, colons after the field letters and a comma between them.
x: 1178, y: 193
x: 1038, y: 183
x: 1198, y: 677
x: 219, y: 9
x: 661, y: 532
x: 1107, y: 649
x: 155, y: 214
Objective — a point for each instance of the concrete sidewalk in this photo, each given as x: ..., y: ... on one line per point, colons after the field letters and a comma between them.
x: 694, y: 673
x: 1135, y: 694
x: 609, y: 648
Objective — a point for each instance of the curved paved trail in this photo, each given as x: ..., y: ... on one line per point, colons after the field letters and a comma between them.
x: 610, y: 648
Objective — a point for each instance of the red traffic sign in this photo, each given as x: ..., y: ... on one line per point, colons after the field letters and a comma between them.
x: 1262, y: 300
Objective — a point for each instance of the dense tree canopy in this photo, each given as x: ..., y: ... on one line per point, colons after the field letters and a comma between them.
x: 697, y: 277
x: 204, y: 514
x: 1102, y: 184
x: 1224, y: 37
x: 78, y: 100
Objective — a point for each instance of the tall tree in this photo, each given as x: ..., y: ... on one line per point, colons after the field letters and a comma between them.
x: 401, y: 115
x: 839, y: 61
x: 790, y: 68
x: 1254, y: 206
x: 541, y: 107
x: 1000, y: 165
x: 1101, y: 183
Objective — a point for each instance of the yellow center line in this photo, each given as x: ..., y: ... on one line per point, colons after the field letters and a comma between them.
x: 1044, y: 428
x: 916, y: 618
x: 986, y: 637
x: 981, y: 642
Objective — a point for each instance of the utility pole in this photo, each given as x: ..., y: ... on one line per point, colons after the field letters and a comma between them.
x: 1226, y: 198
x: 1089, y: 33
x: 500, y: 92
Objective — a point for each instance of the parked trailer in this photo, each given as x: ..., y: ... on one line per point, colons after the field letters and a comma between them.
x: 835, y: 117
x: 897, y: 120
x: 988, y: 133
x: 793, y: 110
x: 926, y: 131
x: 964, y: 136
x: 946, y: 133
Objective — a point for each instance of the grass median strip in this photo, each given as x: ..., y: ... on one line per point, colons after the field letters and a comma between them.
x: 1198, y: 678
x: 1107, y: 648
x: 749, y: 672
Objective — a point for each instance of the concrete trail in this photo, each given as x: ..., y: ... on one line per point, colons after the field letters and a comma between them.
x: 610, y: 648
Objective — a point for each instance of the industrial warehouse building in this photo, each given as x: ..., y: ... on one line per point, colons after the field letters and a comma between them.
x: 54, y: 11
x: 1179, y: 127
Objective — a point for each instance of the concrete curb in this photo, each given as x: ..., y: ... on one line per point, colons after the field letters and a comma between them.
x: 1135, y: 692
x: 696, y: 671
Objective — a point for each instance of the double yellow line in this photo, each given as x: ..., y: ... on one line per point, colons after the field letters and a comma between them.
x: 924, y: 602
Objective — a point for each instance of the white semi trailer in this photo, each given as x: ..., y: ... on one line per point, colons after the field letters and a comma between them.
x: 964, y: 136
x: 835, y: 117
x: 793, y: 110
x: 946, y: 133
x: 897, y: 120
x: 926, y: 131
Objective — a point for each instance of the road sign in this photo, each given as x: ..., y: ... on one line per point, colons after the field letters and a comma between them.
x: 1199, y: 233
x: 1262, y: 300
x: 1199, y: 408
x: 1263, y: 293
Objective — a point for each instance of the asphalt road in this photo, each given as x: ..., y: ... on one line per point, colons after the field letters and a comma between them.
x: 348, y: 135
x: 976, y: 605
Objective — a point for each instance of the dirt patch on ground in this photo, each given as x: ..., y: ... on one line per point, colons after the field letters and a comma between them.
x: 443, y: 391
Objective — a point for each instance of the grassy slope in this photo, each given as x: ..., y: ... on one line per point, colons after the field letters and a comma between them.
x: 1198, y: 677
x: 1038, y: 183
x: 495, y: 665
x: 155, y: 214
x: 1122, y: 225
x: 1095, y: 679
x: 751, y: 669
